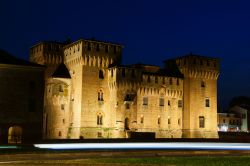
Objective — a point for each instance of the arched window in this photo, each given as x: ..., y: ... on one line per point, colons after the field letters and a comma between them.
x: 99, y: 119
x: 15, y: 134
x: 126, y: 124
x: 159, y: 120
x: 142, y: 119
x: 60, y: 134
x: 101, y: 75
x: 100, y: 96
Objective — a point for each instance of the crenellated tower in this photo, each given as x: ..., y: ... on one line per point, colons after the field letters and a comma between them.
x: 200, y: 95
x: 88, y: 62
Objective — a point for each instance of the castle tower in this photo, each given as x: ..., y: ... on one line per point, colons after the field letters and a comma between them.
x: 88, y: 62
x: 200, y: 96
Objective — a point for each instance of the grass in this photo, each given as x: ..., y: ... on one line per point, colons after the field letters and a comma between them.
x: 168, y: 161
x: 180, y: 161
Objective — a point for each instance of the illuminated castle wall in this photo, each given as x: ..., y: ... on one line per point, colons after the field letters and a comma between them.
x: 89, y: 94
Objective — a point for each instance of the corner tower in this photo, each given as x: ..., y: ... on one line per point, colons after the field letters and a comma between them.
x: 200, y: 95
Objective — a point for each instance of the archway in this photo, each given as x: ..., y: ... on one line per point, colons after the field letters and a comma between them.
x: 15, y: 134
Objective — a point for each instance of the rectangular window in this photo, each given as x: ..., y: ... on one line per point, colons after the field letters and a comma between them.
x: 207, y: 103
x: 62, y: 107
x: 179, y: 103
x: 145, y: 100
x: 201, y: 121
x: 60, y: 88
x: 202, y: 84
x: 169, y: 121
x: 161, y: 102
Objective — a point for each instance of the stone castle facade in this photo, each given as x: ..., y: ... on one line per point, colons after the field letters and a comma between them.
x: 89, y: 94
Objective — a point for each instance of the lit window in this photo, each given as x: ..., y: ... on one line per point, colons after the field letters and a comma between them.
x: 161, y: 102
x: 179, y: 103
x: 145, y: 100
x: 99, y: 119
x: 201, y: 121
x: 207, y: 103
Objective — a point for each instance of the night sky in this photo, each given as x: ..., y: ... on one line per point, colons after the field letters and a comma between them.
x: 151, y: 31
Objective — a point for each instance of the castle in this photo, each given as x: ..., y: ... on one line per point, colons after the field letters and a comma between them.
x: 89, y: 94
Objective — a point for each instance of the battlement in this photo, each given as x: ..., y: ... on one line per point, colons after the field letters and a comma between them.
x: 46, y: 53
x: 92, y: 53
x: 197, y: 61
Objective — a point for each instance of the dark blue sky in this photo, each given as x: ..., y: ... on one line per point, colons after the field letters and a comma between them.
x: 151, y: 31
